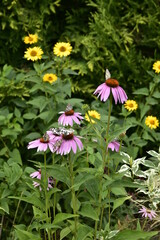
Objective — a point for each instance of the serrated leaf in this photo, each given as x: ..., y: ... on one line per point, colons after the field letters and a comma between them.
x: 88, y: 211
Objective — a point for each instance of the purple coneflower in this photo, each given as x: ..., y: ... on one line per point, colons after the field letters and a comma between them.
x: 111, y: 85
x: 42, y: 144
x: 65, y: 141
x: 69, y: 116
x: 37, y: 175
x: 147, y: 213
x: 114, y: 146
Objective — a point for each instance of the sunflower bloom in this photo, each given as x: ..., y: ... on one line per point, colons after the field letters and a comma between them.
x: 50, y: 77
x: 32, y: 38
x: 62, y: 49
x: 156, y: 67
x: 92, y: 114
x: 111, y: 85
x: 131, y: 105
x: 33, y: 54
x: 152, y: 122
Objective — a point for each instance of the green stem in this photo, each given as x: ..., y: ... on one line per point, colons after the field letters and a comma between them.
x: 54, y: 209
x: 100, y: 211
x: 17, y: 209
x: 45, y: 180
x: 73, y: 196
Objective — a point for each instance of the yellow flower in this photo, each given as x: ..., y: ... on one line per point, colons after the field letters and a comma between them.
x: 131, y: 105
x: 62, y: 49
x: 33, y: 54
x: 156, y: 66
x: 93, y: 114
x: 152, y: 122
x: 32, y: 38
x: 49, y: 77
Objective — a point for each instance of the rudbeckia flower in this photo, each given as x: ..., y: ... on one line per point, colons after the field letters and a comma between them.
x: 152, y: 122
x: 33, y: 54
x: 156, y: 67
x: 93, y: 114
x: 42, y: 144
x: 131, y: 105
x: 62, y: 49
x: 32, y: 38
x: 50, y: 77
x: 69, y: 116
x: 147, y: 213
x: 111, y: 85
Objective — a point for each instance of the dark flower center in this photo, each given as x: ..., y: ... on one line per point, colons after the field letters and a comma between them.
x: 69, y: 113
x: 30, y: 39
x: 50, y: 78
x: 67, y: 136
x: 152, y: 122
x: 44, y: 139
x: 112, y: 83
x: 62, y: 49
x: 33, y: 53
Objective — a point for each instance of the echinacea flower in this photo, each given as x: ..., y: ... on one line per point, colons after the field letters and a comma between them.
x: 114, y: 146
x: 65, y: 141
x: 62, y: 49
x: 147, y: 213
x: 37, y: 175
x: 111, y: 85
x: 131, y: 105
x: 50, y: 77
x: 42, y: 144
x: 33, y: 54
x: 92, y: 114
x: 69, y: 116
x: 152, y: 122
x: 32, y: 38
x: 156, y: 67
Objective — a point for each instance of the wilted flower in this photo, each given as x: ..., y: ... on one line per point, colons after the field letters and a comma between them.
x: 156, y: 67
x: 152, y: 122
x: 33, y: 54
x: 32, y: 38
x: 50, y: 77
x: 69, y: 116
x: 65, y: 141
x: 111, y: 85
x: 114, y: 146
x: 37, y: 175
x: 147, y: 213
x: 93, y: 114
x: 42, y: 144
x: 62, y: 49
x: 131, y: 105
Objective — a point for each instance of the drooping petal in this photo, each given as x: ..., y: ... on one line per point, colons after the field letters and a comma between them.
x: 122, y: 95
x: 79, y: 143
x: 33, y: 144
x: 35, y: 174
x: 74, y: 146
x: 115, y: 95
x: 42, y: 147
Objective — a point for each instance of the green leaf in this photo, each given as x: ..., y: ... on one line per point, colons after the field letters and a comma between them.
x: 60, y: 173
x: 26, y: 235
x: 119, y: 191
x: 29, y: 116
x: 118, y: 202
x: 88, y: 211
x: 142, y: 91
x: 135, y: 235
x: 4, y: 205
x: 69, y: 72
x: 15, y: 157
x: 83, y: 232
x: 64, y: 232
x: 60, y: 217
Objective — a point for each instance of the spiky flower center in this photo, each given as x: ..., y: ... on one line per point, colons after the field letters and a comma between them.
x: 67, y: 136
x: 62, y: 49
x: 30, y: 38
x: 69, y: 113
x: 112, y: 83
x: 33, y: 53
x: 44, y: 139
